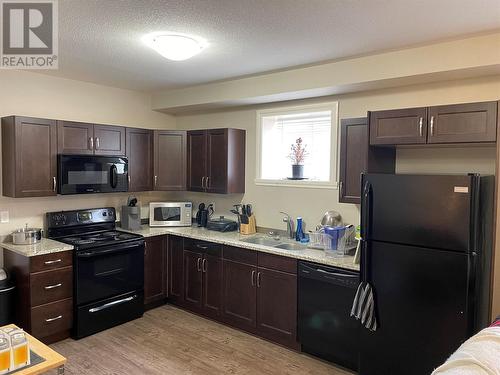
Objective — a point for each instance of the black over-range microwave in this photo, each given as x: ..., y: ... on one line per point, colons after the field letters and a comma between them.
x: 83, y: 174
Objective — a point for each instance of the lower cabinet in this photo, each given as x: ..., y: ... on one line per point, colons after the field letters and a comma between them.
x: 260, y: 299
x: 277, y: 306
x: 175, y: 270
x: 252, y: 291
x: 203, y: 277
x: 239, y: 295
x: 155, y: 269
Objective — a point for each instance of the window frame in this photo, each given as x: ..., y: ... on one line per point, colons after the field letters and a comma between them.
x: 334, y: 149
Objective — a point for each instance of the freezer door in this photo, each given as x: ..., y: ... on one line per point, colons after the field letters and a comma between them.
x: 421, y: 305
x: 421, y: 210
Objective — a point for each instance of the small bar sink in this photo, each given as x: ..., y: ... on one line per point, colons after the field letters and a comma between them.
x: 290, y: 246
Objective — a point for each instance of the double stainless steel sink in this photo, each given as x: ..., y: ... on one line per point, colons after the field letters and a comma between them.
x: 272, y: 242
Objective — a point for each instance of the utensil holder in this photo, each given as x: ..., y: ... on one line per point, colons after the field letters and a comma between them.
x: 250, y: 228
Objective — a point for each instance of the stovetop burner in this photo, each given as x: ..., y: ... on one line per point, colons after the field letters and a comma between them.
x: 102, y: 238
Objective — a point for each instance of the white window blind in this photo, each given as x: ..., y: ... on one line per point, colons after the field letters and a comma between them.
x: 280, y: 131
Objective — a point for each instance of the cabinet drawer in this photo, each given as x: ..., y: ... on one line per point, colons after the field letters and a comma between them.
x: 51, y: 261
x: 238, y: 254
x: 52, y: 318
x: 209, y: 248
x: 279, y: 263
x: 51, y: 286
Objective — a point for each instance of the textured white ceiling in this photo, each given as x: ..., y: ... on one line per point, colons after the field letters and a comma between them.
x: 100, y: 40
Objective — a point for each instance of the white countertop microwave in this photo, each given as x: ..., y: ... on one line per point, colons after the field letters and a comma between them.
x: 170, y: 214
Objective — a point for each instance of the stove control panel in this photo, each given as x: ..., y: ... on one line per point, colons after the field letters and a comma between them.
x: 80, y: 217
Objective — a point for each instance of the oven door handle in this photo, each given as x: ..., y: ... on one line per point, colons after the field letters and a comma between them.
x: 92, y: 254
x: 111, y: 304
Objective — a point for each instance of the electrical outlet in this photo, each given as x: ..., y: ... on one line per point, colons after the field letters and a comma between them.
x: 213, y: 205
x: 4, y: 216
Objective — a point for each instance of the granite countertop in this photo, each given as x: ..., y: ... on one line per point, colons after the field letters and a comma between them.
x: 45, y: 246
x: 235, y: 239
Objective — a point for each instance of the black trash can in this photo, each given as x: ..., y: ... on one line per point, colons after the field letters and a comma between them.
x: 7, y: 295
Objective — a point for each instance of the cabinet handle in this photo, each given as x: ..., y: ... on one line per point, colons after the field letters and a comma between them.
x: 198, y: 264
x: 156, y: 180
x: 341, y: 187
x: 258, y: 279
x: 91, y: 143
x: 420, y: 125
x: 208, y: 183
x: 48, y: 287
x: 204, y: 266
x: 128, y: 178
x: 54, y: 184
x: 52, y: 319
x: 432, y: 125
x: 203, y: 182
x: 253, y: 278
x: 97, y: 143
x: 48, y: 262
x: 201, y: 247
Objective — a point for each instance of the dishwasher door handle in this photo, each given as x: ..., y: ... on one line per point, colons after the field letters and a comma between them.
x: 336, y: 273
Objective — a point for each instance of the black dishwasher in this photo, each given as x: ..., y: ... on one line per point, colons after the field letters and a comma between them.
x: 326, y: 329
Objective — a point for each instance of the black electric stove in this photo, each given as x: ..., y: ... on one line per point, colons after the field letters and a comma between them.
x: 108, y: 268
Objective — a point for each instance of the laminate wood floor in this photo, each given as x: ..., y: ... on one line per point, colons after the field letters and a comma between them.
x: 168, y: 340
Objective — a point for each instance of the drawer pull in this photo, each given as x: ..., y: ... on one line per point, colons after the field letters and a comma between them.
x: 52, y: 319
x: 201, y: 247
x: 48, y: 287
x: 48, y: 262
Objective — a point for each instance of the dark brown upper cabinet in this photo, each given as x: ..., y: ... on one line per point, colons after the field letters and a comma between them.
x: 169, y: 160
x: 29, y: 157
x: 109, y: 140
x: 457, y: 123
x: 353, y: 158
x: 90, y: 139
x: 463, y: 123
x: 139, y: 145
x: 216, y: 161
x: 398, y: 127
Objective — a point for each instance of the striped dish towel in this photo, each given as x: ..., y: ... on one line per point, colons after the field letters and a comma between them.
x: 363, y: 307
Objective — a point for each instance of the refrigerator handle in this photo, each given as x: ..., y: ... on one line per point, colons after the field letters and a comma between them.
x: 365, y: 229
x: 365, y: 210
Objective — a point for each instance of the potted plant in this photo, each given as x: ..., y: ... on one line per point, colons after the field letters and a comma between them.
x: 298, y: 154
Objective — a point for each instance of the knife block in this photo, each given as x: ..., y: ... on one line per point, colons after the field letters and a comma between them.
x: 250, y: 228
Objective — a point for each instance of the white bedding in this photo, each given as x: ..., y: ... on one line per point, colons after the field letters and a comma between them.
x: 479, y: 355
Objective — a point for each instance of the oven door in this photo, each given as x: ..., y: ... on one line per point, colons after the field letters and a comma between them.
x: 109, y: 271
x: 81, y: 174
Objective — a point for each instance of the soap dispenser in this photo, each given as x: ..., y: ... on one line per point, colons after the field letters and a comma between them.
x: 299, y: 234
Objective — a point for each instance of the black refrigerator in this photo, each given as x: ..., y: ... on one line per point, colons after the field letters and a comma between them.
x: 426, y: 251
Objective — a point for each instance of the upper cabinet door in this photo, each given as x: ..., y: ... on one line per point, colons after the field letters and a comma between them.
x: 353, y: 158
x: 139, y: 145
x: 109, y: 140
x: 75, y: 138
x: 197, y: 160
x: 463, y: 123
x: 217, y: 177
x: 29, y: 155
x: 398, y: 127
x: 169, y: 160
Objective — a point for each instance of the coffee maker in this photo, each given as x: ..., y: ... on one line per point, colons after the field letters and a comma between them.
x: 203, y: 214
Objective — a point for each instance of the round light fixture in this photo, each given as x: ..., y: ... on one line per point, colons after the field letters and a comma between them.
x: 175, y: 46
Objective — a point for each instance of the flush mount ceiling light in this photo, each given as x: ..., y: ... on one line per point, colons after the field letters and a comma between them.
x: 175, y: 46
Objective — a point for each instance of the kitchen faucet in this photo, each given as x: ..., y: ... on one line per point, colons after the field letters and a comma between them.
x: 289, y: 224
